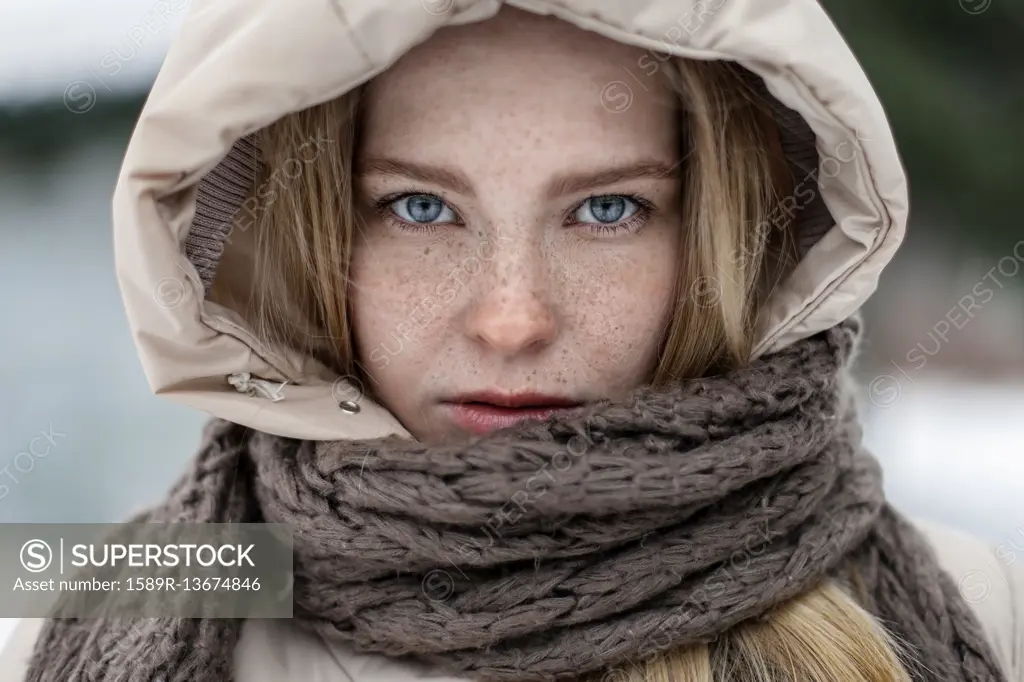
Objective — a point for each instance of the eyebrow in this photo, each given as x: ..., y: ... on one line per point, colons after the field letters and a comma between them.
x: 566, y: 184
x: 579, y: 182
x: 451, y: 180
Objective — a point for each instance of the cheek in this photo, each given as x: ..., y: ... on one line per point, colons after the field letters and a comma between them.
x: 622, y: 308
x: 400, y: 292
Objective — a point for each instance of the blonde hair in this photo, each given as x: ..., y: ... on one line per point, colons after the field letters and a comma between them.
x: 822, y: 635
x: 734, y: 174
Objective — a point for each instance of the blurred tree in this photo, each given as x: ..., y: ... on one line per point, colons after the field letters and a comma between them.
x: 951, y: 77
x: 34, y: 134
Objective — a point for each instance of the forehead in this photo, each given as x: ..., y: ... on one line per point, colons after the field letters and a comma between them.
x: 520, y: 83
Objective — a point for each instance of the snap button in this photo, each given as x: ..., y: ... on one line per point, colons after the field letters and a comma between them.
x: 349, y: 406
x: 347, y: 391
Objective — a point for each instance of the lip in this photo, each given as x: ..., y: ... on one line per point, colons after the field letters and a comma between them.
x: 486, y: 411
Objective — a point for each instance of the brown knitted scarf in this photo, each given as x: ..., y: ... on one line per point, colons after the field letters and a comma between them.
x: 548, y: 550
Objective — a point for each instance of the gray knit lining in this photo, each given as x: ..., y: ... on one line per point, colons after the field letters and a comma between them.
x: 223, y: 190
x: 219, y: 197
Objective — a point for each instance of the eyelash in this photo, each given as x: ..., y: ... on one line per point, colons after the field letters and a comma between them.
x: 382, y: 206
x: 630, y: 225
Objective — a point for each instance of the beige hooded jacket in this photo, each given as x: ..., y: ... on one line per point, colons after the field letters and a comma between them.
x: 238, y: 65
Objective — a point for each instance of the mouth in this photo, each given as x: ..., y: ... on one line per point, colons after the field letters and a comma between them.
x: 489, y: 410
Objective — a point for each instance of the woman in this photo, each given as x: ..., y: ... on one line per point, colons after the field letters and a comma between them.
x: 551, y: 305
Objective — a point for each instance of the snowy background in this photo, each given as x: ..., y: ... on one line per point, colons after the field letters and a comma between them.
x: 950, y: 436
x: 48, y: 47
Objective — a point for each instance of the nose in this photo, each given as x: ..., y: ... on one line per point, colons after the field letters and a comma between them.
x: 514, y: 313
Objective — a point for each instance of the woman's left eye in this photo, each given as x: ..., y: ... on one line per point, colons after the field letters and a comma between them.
x: 608, y: 212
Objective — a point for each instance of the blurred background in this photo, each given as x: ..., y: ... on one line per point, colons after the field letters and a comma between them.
x: 943, y: 389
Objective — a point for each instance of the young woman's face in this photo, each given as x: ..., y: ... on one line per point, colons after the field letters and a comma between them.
x: 519, y: 226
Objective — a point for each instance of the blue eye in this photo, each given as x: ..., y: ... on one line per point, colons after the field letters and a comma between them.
x: 422, y: 208
x: 607, y: 209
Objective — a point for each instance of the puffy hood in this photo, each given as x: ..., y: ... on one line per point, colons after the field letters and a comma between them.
x: 238, y: 65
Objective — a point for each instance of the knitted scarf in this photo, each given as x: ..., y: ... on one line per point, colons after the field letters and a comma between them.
x: 547, y: 550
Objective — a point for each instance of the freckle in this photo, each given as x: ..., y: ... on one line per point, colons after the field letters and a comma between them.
x: 426, y: 251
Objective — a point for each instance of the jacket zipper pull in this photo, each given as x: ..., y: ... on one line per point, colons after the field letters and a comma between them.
x: 264, y: 388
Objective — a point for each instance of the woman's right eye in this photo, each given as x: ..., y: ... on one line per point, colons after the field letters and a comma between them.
x: 422, y: 209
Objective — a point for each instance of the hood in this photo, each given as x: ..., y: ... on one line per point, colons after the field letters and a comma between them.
x: 238, y: 65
